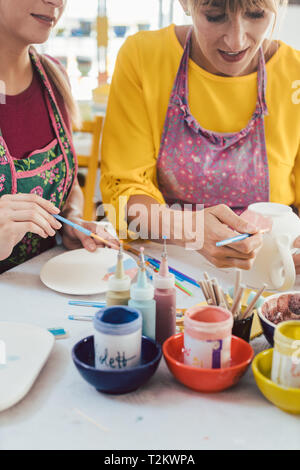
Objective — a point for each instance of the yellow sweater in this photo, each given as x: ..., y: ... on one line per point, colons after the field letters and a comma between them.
x: 143, y: 79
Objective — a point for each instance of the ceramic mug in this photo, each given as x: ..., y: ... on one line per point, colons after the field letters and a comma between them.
x: 274, y: 264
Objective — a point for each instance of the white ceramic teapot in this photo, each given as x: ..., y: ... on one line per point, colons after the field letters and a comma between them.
x: 274, y: 263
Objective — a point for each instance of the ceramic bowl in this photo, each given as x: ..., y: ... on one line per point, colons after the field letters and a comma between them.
x: 287, y: 399
x: 120, y: 30
x: 84, y: 65
x: 268, y: 326
x: 116, y: 381
x: 207, y: 380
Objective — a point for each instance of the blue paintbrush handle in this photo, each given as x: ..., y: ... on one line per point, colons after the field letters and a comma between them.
x: 238, y: 238
x: 86, y: 303
x: 72, y: 224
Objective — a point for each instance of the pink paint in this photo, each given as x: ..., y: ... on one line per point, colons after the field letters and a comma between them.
x: 207, y: 337
x: 165, y: 297
x: 165, y: 313
x: 208, y: 323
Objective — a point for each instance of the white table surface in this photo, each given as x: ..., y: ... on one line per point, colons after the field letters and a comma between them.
x: 62, y: 411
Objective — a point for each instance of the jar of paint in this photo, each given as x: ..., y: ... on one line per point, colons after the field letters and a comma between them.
x: 165, y: 298
x: 207, y: 337
x: 118, y: 292
x: 142, y: 298
x: 117, y: 338
x: 286, y: 354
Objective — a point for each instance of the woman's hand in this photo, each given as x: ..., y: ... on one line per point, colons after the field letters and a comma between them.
x: 73, y: 239
x: 23, y: 213
x: 220, y: 223
x: 297, y: 256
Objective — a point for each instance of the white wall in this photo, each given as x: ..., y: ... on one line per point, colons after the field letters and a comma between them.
x: 289, y: 31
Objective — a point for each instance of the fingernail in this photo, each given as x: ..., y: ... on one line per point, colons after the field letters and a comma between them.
x: 91, y: 246
x: 56, y: 209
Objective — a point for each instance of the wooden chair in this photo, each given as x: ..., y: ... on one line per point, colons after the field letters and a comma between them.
x: 91, y: 162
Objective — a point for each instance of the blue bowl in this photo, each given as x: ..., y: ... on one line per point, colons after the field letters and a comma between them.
x: 120, y: 30
x: 268, y: 326
x: 117, y: 381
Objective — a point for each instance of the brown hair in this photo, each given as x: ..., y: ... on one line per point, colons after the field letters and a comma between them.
x: 60, y: 80
x: 233, y: 5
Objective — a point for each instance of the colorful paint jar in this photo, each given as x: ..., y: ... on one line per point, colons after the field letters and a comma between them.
x: 117, y: 338
x: 118, y: 292
x: 142, y: 293
x: 207, y: 337
x: 165, y: 298
x: 286, y: 354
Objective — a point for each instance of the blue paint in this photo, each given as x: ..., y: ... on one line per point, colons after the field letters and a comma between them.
x: 117, y: 320
x: 13, y: 358
x: 117, y: 315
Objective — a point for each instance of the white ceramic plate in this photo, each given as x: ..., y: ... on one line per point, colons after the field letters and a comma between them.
x: 80, y: 272
x: 24, y: 349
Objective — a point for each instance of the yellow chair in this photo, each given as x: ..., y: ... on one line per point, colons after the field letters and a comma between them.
x: 91, y: 162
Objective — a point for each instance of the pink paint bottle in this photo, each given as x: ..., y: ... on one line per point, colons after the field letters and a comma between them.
x: 165, y: 297
x: 207, y: 337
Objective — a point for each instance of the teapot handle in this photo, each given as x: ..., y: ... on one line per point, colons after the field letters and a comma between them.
x: 286, y: 281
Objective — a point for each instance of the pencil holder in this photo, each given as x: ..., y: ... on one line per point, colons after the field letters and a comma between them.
x: 242, y: 328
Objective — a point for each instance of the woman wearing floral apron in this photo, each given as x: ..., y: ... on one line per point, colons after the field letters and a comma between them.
x: 222, y: 79
x: 38, y: 168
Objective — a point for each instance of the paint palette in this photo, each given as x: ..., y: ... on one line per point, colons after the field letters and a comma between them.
x: 24, y: 349
x: 80, y: 272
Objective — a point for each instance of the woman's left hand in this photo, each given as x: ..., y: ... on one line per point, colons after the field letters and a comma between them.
x: 297, y: 257
x: 73, y: 239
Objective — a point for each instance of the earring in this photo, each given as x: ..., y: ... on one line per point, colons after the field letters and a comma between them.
x: 188, y: 13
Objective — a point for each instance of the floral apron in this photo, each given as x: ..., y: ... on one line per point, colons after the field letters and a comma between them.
x: 197, y: 166
x: 48, y: 172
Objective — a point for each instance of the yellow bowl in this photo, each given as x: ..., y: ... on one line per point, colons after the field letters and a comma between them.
x: 287, y: 399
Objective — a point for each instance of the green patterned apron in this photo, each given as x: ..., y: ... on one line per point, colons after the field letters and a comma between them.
x: 49, y: 172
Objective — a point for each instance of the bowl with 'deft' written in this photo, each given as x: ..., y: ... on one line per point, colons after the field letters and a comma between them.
x: 118, y: 380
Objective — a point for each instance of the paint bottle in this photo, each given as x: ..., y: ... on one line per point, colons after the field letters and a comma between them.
x: 286, y: 354
x: 118, y: 284
x: 165, y: 297
x: 117, y: 338
x: 142, y: 293
x: 207, y: 337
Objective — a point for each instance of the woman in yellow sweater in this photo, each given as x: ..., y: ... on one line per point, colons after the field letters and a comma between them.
x: 206, y: 115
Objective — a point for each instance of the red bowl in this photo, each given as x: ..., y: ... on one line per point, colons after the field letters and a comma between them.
x: 207, y: 380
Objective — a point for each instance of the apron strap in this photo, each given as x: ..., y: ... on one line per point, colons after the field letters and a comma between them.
x: 180, y: 89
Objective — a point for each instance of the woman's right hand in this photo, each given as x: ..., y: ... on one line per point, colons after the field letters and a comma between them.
x: 23, y: 213
x: 220, y: 223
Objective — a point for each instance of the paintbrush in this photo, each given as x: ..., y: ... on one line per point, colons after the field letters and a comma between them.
x: 87, y: 232
x: 236, y: 302
x: 250, y: 307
